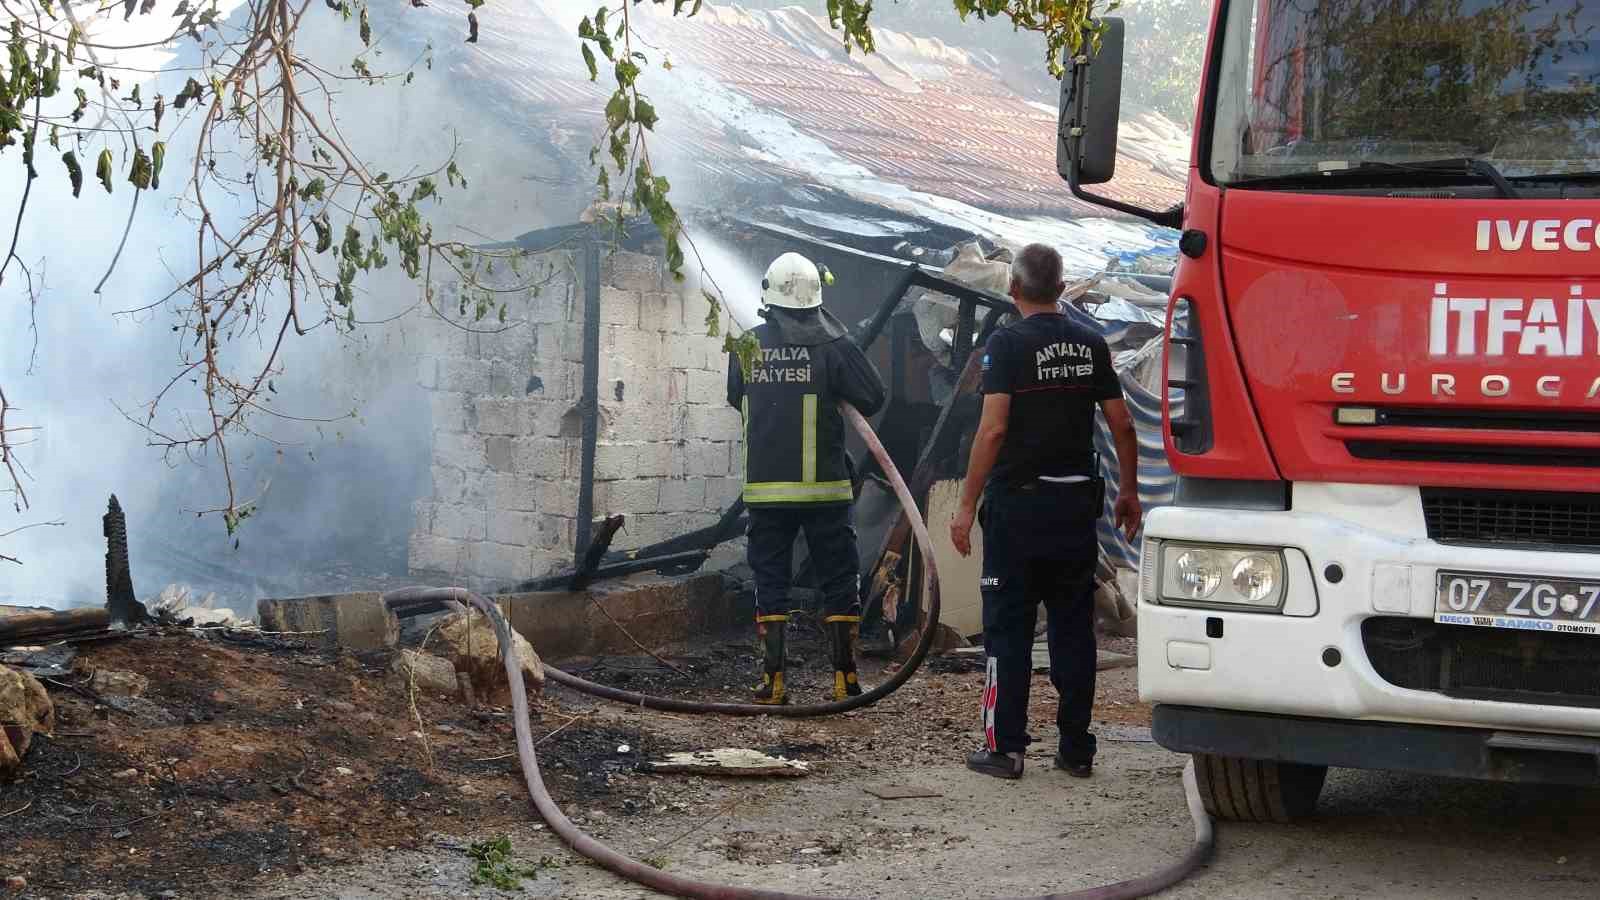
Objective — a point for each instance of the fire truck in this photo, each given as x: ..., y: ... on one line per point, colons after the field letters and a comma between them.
x: 1383, y: 395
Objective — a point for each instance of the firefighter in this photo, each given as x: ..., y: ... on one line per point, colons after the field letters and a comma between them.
x: 797, y: 477
x: 1034, y: 465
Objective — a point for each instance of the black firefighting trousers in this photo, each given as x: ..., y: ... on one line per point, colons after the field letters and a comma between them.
x: 1039, y: 547
x: 831, y: 538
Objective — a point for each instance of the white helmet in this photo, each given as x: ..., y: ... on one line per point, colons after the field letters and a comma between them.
x: 792, y: 281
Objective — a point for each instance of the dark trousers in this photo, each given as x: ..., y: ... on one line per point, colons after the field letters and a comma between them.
x: 831, y: 538
x: 1039, y: 547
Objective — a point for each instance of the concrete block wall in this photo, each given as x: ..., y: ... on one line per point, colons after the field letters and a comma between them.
x: 507, y: 424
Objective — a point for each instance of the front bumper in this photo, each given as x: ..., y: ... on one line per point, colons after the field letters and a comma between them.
x: 1284, y: 665
x: 1426, y: 749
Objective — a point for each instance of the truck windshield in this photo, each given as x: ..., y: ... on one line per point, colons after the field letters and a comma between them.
x: 1323, y: 85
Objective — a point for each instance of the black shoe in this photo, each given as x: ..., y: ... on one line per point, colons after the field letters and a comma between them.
x: 1076, y: 770
x: 999, y: 765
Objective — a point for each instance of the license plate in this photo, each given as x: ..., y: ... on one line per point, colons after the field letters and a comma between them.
x: 1522, y: 602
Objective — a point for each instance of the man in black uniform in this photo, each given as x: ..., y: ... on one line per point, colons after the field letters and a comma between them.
x: 796, y: 474
x: 1033, y: 461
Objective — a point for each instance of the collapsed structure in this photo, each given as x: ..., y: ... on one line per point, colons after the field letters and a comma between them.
x: 606, y: 398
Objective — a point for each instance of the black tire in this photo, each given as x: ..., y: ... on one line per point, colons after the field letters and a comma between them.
x: 1257, y: 790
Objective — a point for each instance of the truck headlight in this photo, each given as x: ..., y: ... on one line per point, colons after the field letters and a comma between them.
x: 1250, y: 577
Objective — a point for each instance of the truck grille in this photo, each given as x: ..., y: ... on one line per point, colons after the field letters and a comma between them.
x: 1484, y: 663
x: 1473, y: 454
x: 1512, y: 517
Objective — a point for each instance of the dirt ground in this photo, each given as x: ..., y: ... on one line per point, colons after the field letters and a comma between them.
x: 269, y: 771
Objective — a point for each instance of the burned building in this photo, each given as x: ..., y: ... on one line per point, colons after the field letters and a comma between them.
x: 909, y: 173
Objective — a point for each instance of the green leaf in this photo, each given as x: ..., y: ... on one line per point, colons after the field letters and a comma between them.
x: 617, y: 111
x: 72, y: 45
x: 55, y: 136
x: 158, y: 156
x: 713, y: 314
x: 589, y: 60
x: 619, y: 151
x: 52, y: 76
x: 423, y: 190
x: 74, y: 171
x: 138, y: 103
x: 161, y: 110
x: 746, y: 347
x: 316, y: 188
x: 104, y: 169
x: 83, y: 103
x: 366, y: 27
x: 351, y: 248
x: 644, y: 113
x: 627, y: 72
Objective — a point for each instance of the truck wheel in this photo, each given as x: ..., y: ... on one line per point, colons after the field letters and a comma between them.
x: 1257, y: 790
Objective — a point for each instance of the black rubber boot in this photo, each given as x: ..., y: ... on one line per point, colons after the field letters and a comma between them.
x: 842, y: 632
x: 771, y: 631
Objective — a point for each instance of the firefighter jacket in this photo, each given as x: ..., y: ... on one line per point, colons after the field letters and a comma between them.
x: 794, y: 434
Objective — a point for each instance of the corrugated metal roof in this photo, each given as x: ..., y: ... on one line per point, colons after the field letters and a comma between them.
x: 952, y: 129
x: 918, y: 114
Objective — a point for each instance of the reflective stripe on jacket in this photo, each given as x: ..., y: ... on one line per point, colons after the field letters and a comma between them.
x: 794, y: 434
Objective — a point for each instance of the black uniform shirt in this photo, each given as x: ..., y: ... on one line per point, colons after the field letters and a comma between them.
x: 1056, y: 372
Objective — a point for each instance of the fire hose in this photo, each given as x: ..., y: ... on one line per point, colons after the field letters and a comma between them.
x: 676, y: 885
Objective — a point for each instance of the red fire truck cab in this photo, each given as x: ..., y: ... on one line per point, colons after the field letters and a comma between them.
x: 1383, y: 395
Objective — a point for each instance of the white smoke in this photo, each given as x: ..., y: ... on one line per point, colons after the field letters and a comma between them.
x: 333, y: 494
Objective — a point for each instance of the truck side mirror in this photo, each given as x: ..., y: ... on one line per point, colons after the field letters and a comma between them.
x: 1091, y: 104
x: 1086, y: 135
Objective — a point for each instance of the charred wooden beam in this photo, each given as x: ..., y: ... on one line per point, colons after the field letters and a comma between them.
x: 54, y: 625
x: 124, y: 608
x: 596, y: 551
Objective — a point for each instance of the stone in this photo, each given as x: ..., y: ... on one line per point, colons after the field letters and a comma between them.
x: 429, y: 554
x: 25, y: 710
x: 708, y: 387
x: 464, y: 376
x: 619, y: 307
x: 117, y: 683
x: 16, y: 884
x: 346, y: 772
x: 501, y: 453
x: 428, y: 672
x: 474, y: 648
x: 683, y: 495
x: 498, y: 415
x: 125, y: 774
x: 357, y: 621
x: 514, y: 528
x: 713, y: 422
x: 631, y: 272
